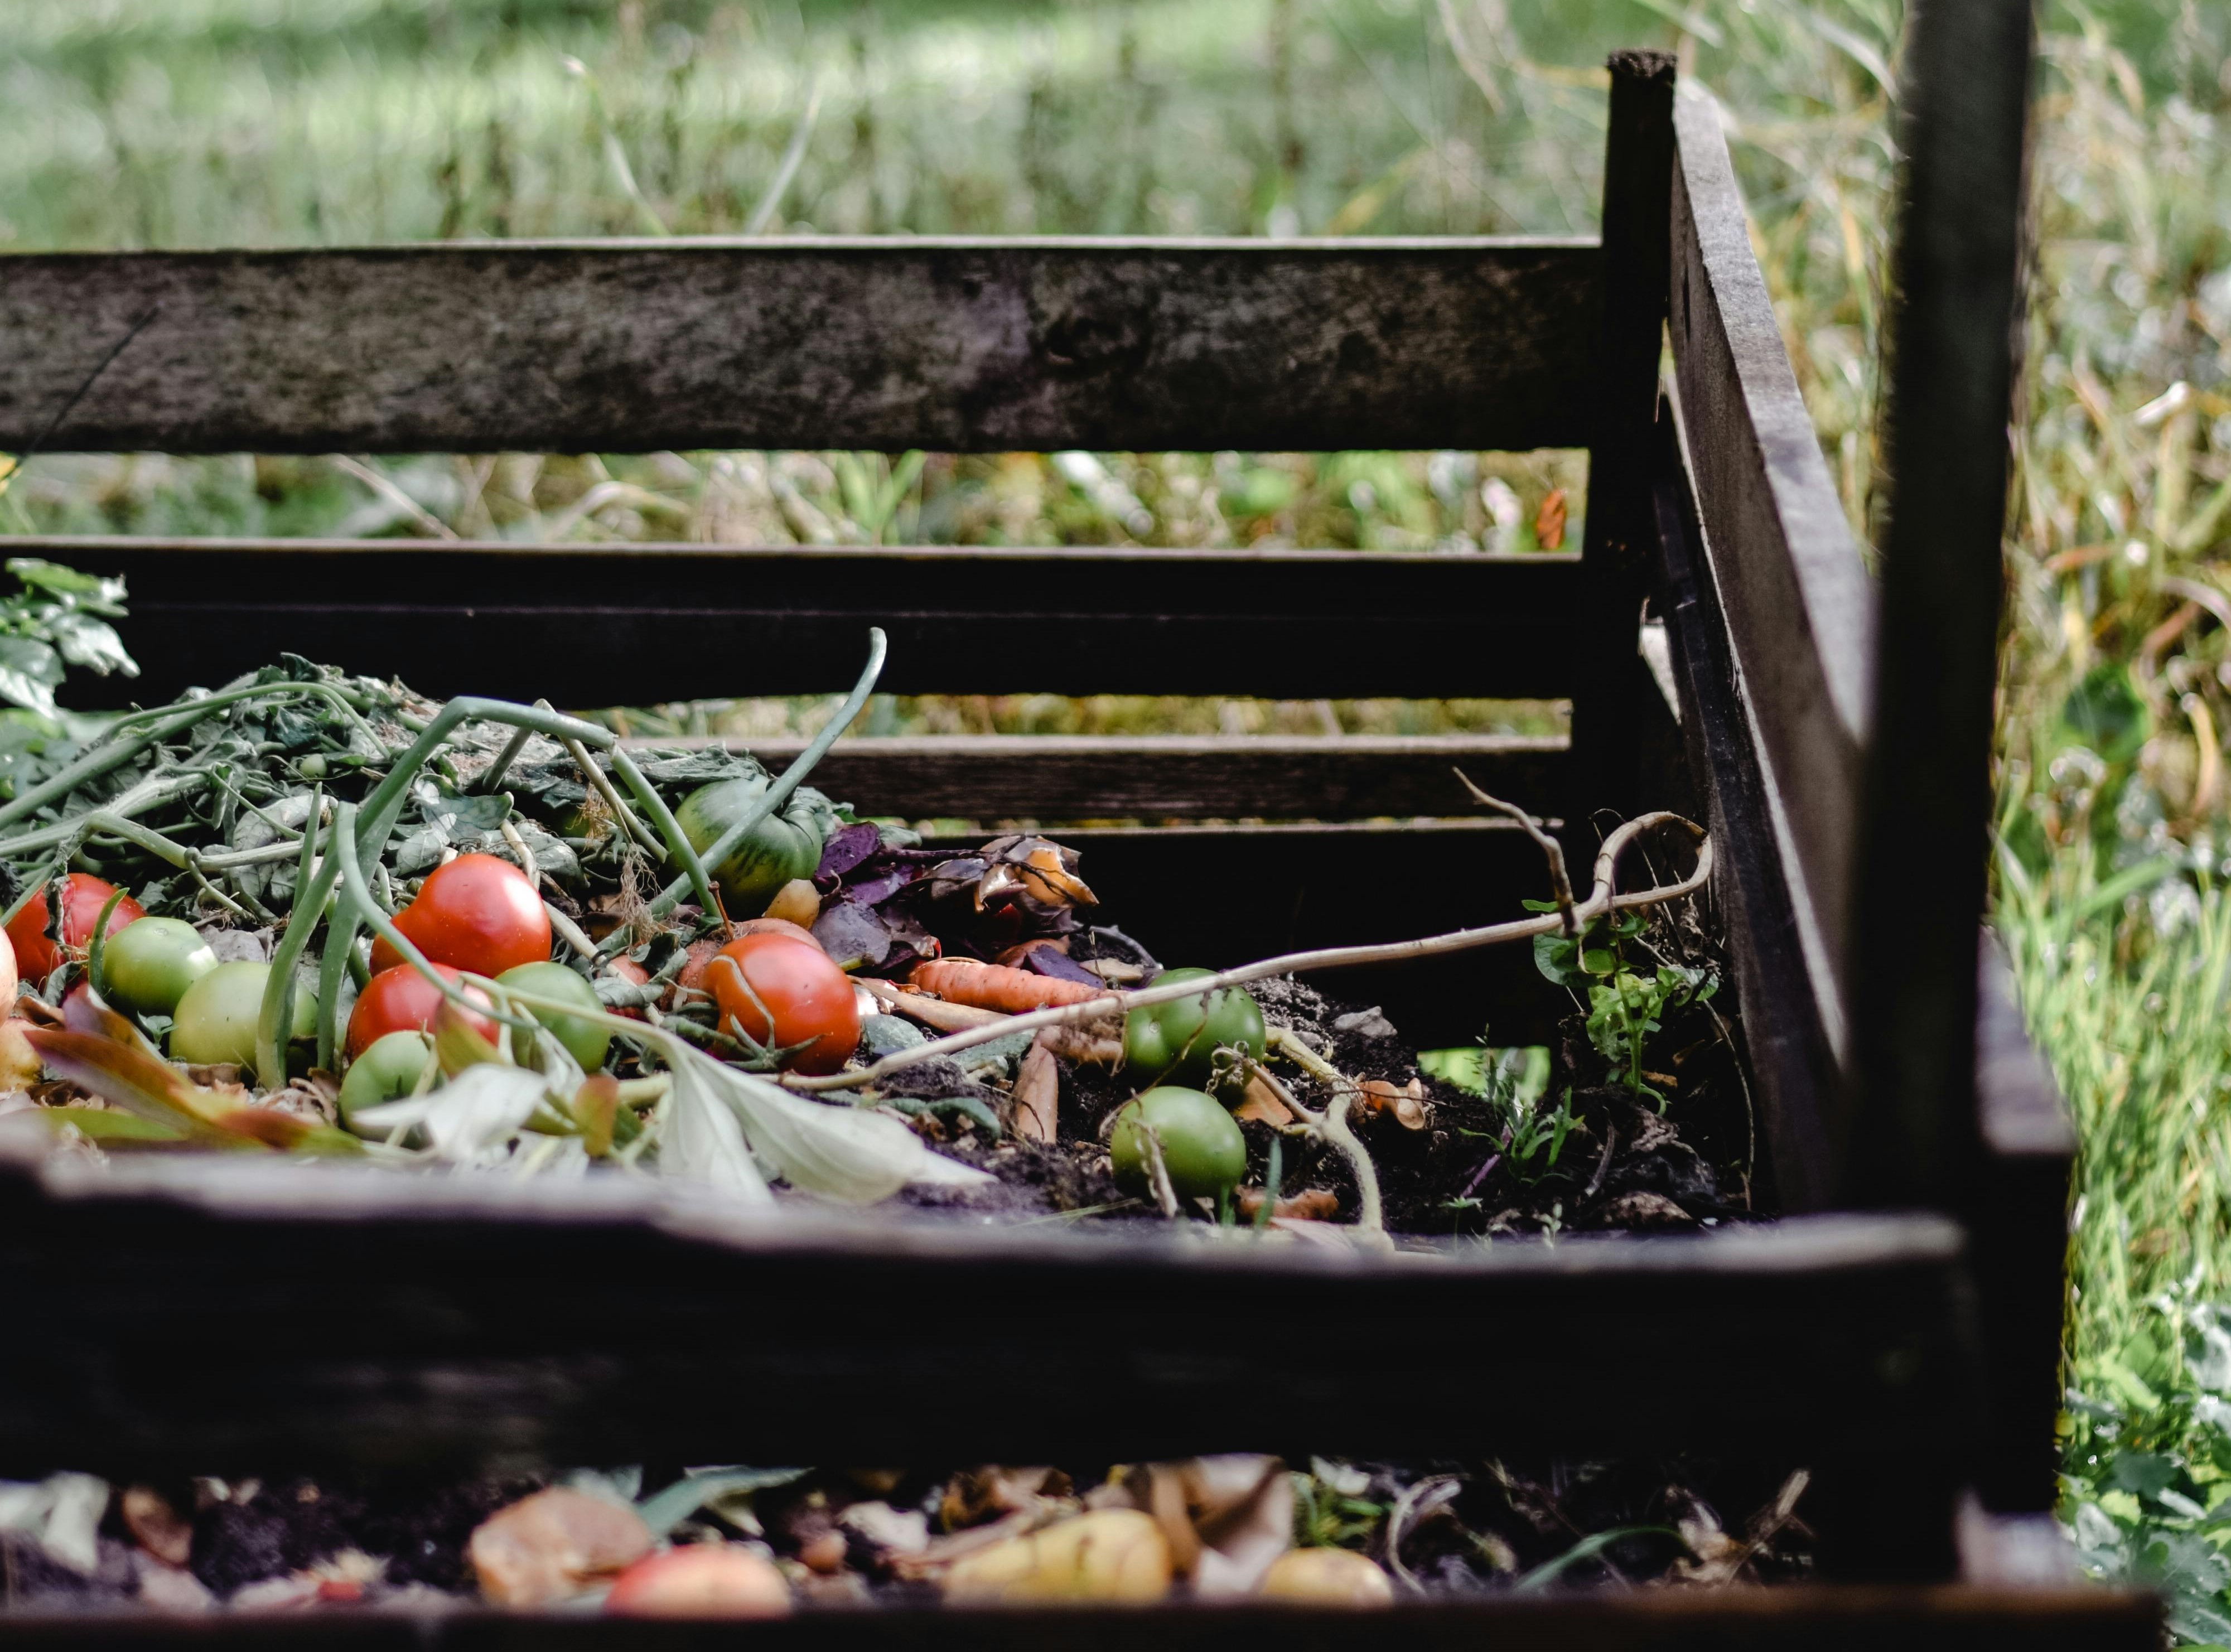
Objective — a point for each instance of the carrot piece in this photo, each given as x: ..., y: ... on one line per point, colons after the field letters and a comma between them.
x: 995, y: 986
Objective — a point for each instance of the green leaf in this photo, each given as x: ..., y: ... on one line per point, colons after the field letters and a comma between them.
x: 2107, y: 712
x: 29, y: 671
x: 662, y: 1510
x: 103, y: 1124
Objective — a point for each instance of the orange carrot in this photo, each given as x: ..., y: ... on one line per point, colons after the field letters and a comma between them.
x: 995, y: 986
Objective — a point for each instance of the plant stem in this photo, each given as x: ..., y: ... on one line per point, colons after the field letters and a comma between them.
x: 779, y: 793
x: 1602, y: 898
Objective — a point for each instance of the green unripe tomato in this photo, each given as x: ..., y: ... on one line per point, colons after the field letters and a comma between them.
x: 584, y: 1040
x: 1202, y: 1148
x: 388, y: 1069
x: 215, y: 1019
x: 147, y: 966
x: 1176, y: 1043
x: 785, y: 845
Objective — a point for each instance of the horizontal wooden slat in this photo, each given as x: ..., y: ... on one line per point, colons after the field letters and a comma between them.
x: 360, y: 1316
x: 966, y: 345
x: 592, y: 625
x: 1807, y: 1618
x: 1797, y: 601
x: 1060, y: 778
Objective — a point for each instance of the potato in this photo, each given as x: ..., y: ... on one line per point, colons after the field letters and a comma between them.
x: 1327, y: 1577
x: 1111, y: 1554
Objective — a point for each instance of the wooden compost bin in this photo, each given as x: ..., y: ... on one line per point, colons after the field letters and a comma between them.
x: 187, y: 1314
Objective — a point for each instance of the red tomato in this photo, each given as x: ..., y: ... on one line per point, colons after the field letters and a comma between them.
x: 808, y: 996
x: 475, y: 914
x: 83, y: 896
x: 402, y: 1000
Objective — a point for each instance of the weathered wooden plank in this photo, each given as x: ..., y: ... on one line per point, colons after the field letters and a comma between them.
x: 1809, y: 1618
x: 2017, y: 1211
x: 1795, y: 595
x: 1924, y: 827
x: 888, y: 342
x: 1172, y: 777
x: 1609, y: 737
x: 625, y: 1322
x: 1799, y: 1091
x: 586, y: 625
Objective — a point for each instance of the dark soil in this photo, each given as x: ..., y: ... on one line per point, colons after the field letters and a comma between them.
x: 1624, y: 1162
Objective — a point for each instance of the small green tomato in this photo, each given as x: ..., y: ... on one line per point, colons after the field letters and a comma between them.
x: 147, y: 966
x: 1176, y: 1043
x: 215, y: 1019
x: 389, y: 1069
x: 584, y: 1040
x: 1202, y: 1148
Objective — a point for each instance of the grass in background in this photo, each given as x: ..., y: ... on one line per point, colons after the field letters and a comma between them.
x: 171, y: 122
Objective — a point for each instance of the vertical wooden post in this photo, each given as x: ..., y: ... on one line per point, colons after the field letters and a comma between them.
x: 1618, y: 698
x: 1918, y: 887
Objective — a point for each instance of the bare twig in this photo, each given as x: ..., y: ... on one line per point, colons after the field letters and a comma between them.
x: 387, y: 490
x: 1601, y: 899
x: 1561, y: 884
x: 1330, y: 1125
x: 1158, y: 1172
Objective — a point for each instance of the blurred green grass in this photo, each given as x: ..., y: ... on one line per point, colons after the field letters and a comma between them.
x: 178, y: 122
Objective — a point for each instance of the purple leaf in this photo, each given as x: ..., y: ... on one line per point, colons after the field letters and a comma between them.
x: 852, y: 935
x: 847, y: 846
x: 1052, y: 961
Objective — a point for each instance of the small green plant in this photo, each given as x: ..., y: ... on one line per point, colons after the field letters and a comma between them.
x: 1625, y: 1006
x: 1331, y: 1511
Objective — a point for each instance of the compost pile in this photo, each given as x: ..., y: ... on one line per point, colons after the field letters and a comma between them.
x: 748, y: 1542
x: 317, y: 915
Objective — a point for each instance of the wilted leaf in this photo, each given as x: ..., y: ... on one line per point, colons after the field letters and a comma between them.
x: 849, y: 1154
x: 101, y: 1125
x: 481, y: 1106
x: 701, y: 1139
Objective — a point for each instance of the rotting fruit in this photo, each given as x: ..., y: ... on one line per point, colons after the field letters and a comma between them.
x: 1200, y: 1143
x: 1109, y: 1554
x: 476, y: 913
x: 585, y: 1042
x: 809, y: 999
x: 1176, y: 1043
x: 400, y: 1000
x: 387, y: 1070
x: 83, y: 896
x: 215, y: 1021
x: 700, y: 1580
x: 147, y: 966
x: 784, y: 847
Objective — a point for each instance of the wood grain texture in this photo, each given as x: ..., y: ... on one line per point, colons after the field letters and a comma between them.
x: 1921, y: 876
x: 587, y: 624
x: 625, y: 1322
x: 1798, y: 1090
x: 1798, y: 604
x: 1809, y: 1618
x: 1173, y: 777
x: 885, y: 343
x: 1609, y: 737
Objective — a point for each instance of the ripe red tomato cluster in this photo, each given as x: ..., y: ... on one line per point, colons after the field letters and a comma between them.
x: 83, y: 896
x: 782, y: 992
x: 474, y: 915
